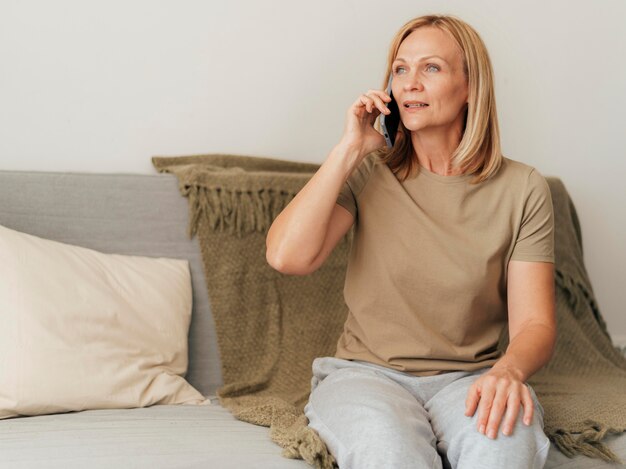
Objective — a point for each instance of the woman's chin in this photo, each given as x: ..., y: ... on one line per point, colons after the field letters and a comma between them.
x: 414, y: 126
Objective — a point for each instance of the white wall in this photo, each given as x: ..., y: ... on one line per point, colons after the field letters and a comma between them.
x: 103, y: 86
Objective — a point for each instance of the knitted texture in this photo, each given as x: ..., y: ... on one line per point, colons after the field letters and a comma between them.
x: 271, y: 326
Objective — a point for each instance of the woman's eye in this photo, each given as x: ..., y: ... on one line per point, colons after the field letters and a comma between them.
x: 429, y: 66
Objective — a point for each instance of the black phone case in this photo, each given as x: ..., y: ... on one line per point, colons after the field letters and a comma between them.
x: 389, y: 123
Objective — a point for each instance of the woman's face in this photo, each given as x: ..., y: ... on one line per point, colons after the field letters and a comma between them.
x: 437, y: 81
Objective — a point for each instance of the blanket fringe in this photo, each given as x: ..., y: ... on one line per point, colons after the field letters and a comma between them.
x: 576, y: 294
x: 309, y: 446
x: 237, y: 212
x: 587, y: 443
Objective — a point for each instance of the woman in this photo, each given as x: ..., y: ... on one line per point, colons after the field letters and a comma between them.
x: 453, y: 242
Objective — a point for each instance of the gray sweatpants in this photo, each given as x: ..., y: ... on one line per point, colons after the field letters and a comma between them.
x: 371, y: 416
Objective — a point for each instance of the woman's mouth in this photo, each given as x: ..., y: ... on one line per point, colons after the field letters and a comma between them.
x: 415, y: 107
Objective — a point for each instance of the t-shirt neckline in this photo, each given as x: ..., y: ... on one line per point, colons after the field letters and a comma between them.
x: 440, y: 178
x: 457, y: 178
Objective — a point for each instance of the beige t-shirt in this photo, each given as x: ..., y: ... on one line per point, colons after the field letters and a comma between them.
x: 426, y: 277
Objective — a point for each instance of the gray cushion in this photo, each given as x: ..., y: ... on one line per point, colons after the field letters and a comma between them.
x: 124, y: 214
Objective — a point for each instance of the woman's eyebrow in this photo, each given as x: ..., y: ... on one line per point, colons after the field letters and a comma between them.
x: 423, y: 58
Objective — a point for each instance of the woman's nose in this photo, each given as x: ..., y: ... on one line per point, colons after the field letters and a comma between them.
x: 413, y: 83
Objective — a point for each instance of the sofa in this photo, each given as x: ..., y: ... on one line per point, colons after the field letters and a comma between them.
x: 144, y: 215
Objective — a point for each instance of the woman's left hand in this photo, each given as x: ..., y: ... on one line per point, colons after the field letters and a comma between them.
x: 497, y: 391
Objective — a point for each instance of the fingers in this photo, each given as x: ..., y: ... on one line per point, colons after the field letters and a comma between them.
x: 512, y: 410
x: 471, y: 402
x: 375, y: 99
x: 487, y: 397
x: 529, y: 406
x: 371, y: 102
x: 499, y: 407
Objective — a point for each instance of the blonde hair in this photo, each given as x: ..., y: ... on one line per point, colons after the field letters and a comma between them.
x: 479, y: 149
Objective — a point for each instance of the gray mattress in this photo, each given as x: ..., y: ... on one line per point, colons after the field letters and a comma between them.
x: 163, y: 436
x: 167, y: 437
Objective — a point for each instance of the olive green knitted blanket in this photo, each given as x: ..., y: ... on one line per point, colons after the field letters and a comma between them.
x: 271, y: 326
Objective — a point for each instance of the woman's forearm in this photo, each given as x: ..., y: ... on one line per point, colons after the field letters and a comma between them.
x: 529, y: 351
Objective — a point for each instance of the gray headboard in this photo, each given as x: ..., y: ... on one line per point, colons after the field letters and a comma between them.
x: 124, y: 214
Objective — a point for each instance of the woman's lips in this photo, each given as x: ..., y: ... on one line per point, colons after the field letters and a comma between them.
x: 414, y: 109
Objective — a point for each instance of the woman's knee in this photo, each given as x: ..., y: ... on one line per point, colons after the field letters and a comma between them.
x: 368, y: 420
x: 377, y: 440
x: 468, y: 448
x: 389, y: 454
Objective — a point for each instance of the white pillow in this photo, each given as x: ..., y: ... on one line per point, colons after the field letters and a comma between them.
x: 80, y: 329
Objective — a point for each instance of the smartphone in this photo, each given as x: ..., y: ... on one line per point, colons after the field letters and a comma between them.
x: 389, y: 122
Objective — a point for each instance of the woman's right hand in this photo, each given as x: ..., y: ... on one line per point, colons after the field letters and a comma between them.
x: 359, y: 131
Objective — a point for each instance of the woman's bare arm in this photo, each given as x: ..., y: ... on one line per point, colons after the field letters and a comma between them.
x: 305, y: 232
x: 297, y: 235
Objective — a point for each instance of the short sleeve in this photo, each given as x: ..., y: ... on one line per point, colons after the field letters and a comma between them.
x: 535, y: 240
x: 351, y: 189
x: 347, y: 199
